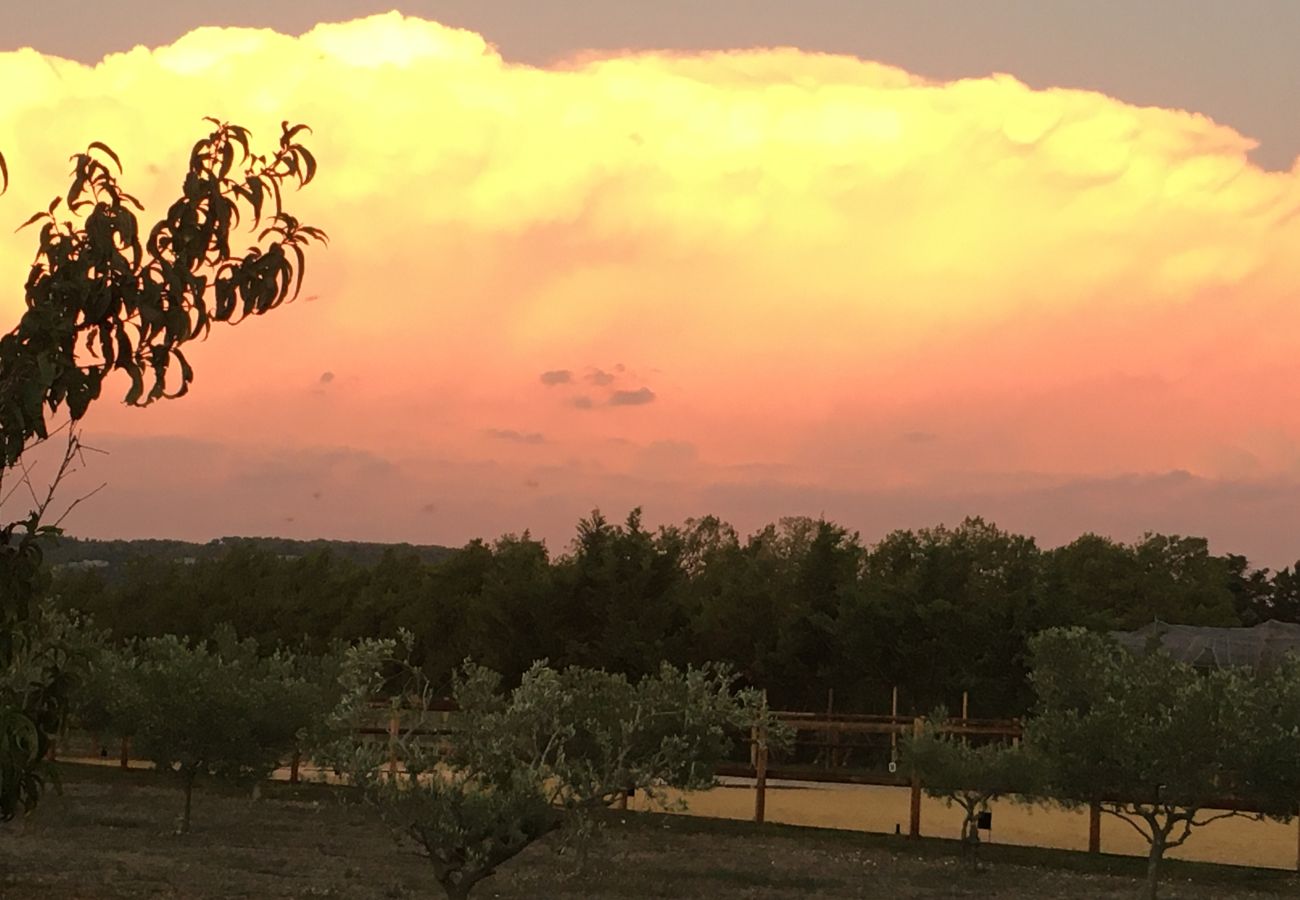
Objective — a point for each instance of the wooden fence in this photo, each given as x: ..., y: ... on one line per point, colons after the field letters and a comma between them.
x: 836, y: 738
x: 836, y: 742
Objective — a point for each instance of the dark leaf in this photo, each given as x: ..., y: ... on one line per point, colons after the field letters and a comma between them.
x: 309, y: 163
x: 290, y: 133
x: 137, y: 385
x: 36, y: 217
x: 99, y: 145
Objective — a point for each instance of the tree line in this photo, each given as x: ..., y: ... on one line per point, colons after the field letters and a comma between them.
x: 109, y: 555
x: 799, y: 608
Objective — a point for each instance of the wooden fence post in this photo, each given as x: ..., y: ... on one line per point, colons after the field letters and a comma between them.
x: 125, y: 759
x: 914, y: 826
x: 760, y: 775
x: 293, y: 766
x: 965, y: 714
x: 1094, y: 827
x: 393, y: 726
x: 832, y: 733
x: 893, y: 734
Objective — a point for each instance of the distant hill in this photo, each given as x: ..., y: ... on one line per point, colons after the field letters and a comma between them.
x: 71, y: 552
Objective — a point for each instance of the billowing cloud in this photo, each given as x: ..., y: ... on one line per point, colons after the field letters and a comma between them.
x: 816, y: 253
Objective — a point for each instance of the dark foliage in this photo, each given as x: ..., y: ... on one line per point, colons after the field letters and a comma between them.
x: 799, y: 607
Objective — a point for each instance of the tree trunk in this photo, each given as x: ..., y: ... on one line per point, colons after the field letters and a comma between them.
x: 455, y: 890
x: 970, y: 838
x: 971, y: 808
x: 1153, y: 864
x: 189, y: 797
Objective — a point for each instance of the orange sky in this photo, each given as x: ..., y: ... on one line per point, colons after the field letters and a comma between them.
x: 779, y: 283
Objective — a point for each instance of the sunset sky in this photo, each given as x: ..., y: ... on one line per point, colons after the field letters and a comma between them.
x: 770, y: 259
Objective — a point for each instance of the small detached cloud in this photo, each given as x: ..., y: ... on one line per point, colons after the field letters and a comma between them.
x: 582, y: 401
x: 517, y: 437
x: 599, y: 377
x: 639, y: 397
x: 556, y: 376
x: 326, y: 377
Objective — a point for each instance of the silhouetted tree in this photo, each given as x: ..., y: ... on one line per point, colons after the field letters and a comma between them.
x: 104, y: 294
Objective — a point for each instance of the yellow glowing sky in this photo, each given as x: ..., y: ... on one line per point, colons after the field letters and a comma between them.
x: 779, y: 282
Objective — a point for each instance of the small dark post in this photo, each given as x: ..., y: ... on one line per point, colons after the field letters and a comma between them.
x: 293, y: 766
x: 125, y: 759
x: 760, y: 775
x: 1094, y: 827
x: 394, y: 725
x: 914, y: 827
x: 965, y: 714
x: 893, y: 731
x: 832, y: 733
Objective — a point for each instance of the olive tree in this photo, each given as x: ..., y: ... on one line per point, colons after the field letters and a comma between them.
x: 969, y: 776
x: 1158, y: 745
x: 217, y: 710
x: 106, y: 293
x: 521, y: 764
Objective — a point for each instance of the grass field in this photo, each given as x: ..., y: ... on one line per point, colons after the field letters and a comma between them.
x: 110, y: 835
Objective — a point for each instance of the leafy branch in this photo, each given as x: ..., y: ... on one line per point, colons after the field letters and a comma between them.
x: 103, y: 295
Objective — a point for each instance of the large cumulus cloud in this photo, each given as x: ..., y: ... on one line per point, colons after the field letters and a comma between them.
x: 804, y: 256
